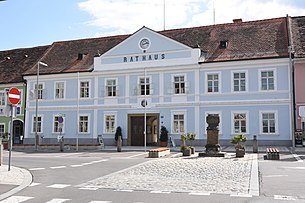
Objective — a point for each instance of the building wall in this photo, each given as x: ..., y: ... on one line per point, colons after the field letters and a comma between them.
x: 195, y: 104
x: 299, y: 90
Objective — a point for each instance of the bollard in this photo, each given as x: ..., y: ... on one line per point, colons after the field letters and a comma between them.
x: 255, y: 145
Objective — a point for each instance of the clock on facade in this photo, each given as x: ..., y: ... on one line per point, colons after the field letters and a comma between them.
x: 144, y: 43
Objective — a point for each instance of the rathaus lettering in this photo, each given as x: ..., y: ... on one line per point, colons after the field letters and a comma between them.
x: 144, y: 58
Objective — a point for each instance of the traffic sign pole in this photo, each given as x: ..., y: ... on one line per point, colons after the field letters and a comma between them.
x: 14, y: 99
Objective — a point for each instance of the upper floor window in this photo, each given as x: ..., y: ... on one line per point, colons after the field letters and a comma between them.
x: 179, y: 84
x: 39, y: 90
x: 142, y: 84
x: 239, y: 82
x: 59, y: 90
x: 84, y: 89
x: 111, y: 87
x: 240, y: 122
x: 267, y: 80
x: 2, y: 98
x: 213, y: 82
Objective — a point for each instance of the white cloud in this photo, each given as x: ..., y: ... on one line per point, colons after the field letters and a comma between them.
x: 127, y: 16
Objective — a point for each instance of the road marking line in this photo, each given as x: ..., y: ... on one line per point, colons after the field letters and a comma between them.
x: 86, y: 164
x: 34, y: 184
x: 57, y: 167
x: 58, y: 186
x: 137, y: 155
x: 160, y: 192
x: 98, y: 161
x: 297, y: 167
x: 16, y: 199
x: 88, y: 188
x: 36, y: 169
x: 297, y: 157
x: 274, y: 176
x: 200, y: 193
x: 77, y: 165
x: 240, y: 195
x: 58, y: 200
x: 122, y: 190
x: 283, y: 197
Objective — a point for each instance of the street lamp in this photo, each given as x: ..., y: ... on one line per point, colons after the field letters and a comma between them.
x: 36, y: 93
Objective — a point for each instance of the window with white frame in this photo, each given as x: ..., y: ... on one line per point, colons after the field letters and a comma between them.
x: 39, y: 90
x: 39, y: 124
x: 2, y: 98
x: 179, y: 84
x: 268, y: 122
x: 240, y: 122
x: 57, y: 127
x: 84, y: 89
x: 212, y: 82
x: 267, y: 80
x: 239, y: 81
x: 111, y: 87
x: 59, y: 90
x: 178, y: 123
x: 83, y: 124
x: 110, y: 124
x: 2, y: 129
x: 142, y: 85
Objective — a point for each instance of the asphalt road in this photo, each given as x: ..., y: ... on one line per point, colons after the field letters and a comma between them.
x: 57, y: 177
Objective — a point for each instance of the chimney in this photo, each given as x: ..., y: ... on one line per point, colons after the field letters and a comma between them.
x: 239, y: 20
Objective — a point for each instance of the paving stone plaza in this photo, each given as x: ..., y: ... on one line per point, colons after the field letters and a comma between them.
x: 228, y: 175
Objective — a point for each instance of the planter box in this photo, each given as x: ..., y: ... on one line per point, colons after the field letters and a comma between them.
x: 240, y: 153
x: 187, y: 152
x: 163, y: 144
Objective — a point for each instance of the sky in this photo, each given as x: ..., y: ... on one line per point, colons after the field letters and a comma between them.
x: 30, y: 23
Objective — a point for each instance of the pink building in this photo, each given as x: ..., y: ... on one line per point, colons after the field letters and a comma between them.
x: 297, y: 32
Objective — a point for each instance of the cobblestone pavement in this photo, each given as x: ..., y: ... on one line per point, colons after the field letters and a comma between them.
x: 227, y: 175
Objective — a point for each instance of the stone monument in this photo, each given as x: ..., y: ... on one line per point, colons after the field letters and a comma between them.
x: 212, y: 148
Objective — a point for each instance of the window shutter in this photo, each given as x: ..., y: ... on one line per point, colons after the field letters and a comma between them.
x: 44, y: 94
x: 187, y: 87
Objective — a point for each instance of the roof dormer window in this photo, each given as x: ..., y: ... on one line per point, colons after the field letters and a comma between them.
x: 223, y: 44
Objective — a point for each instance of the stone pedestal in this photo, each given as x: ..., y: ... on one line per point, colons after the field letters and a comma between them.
x: 212, y: 148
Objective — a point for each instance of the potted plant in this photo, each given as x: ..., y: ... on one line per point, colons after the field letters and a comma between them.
x: 163, y: 136
x: 186, y: 150
x: 191, y: 137
x: 118, y: 138
x: 238, y: 141
x: 5, y: 140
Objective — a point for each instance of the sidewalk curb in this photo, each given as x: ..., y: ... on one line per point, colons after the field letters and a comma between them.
x: 27, y: 180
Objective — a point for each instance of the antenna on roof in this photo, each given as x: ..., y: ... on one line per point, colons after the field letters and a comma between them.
x: 213, y: 13
x: 163, y: 14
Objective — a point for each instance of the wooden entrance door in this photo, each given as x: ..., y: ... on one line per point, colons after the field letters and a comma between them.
x: 137, y: 131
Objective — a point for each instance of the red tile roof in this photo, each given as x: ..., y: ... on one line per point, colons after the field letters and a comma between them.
x: 15, y: 62
x: 246, y: 40
x: 298, y: 36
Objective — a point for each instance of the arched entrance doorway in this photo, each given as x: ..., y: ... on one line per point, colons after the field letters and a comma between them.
x: 17, y: 132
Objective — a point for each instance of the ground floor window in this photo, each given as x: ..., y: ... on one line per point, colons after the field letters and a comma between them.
x: 268, y: 122
x: 83, y: 124
x: 109, y: 124
x: 39, y: 123
x: 178, y: 123
x: 240, y: 122
x: 2, y: 129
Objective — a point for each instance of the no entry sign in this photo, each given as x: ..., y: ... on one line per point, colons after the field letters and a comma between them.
x: 14, y: 96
